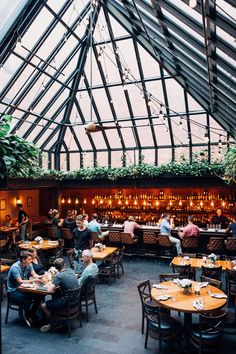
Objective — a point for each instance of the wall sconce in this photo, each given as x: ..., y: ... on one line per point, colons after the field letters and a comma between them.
x: 76, y: 201
x: 69, y: 201
x: 18, y: 201
x: 63, y: 201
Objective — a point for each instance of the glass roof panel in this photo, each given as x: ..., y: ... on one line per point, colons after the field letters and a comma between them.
x: 74, y: 161
x: 164, y: 156
x: 144, y: 132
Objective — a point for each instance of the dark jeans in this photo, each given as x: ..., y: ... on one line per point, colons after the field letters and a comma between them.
x: 29, y: 302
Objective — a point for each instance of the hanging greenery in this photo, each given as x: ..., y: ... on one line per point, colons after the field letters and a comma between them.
x: 18, y: 158
x: 230, y: 165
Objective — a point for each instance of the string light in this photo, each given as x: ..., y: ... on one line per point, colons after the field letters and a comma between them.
x: 76, y: 201
x: 161, y: 113
x: 18, y: 43
x: 69, y: 201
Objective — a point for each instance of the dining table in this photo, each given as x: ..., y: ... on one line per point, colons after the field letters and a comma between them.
x: 170, y: 295
x: 4, y: 268
x: 199, y: 262
x: 102, y: 254
x: 44, y: 245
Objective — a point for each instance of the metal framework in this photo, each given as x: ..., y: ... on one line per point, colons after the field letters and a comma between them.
x: 190, y: 47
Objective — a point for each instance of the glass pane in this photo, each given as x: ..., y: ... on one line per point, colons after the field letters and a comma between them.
x: 164, y: 156
x: 74, y: 161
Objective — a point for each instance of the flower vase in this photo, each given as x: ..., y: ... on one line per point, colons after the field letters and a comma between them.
x: 187, y: 291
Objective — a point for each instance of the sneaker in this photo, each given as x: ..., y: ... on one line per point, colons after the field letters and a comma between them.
x: 27, y: 320
x: 46, y: 328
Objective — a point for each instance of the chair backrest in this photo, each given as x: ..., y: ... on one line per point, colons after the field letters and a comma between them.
x: 190, y: 255
x: 216, y: 244
x: 144, y: 290
x: 231, y: 281
x: 168, y: 276
x: 212, y: 324
x: 214, y: 273
x: 213, y: 282
x: 150, y: 238
x: 3, y: 242
x: 95, y: 237
x: 66, y: 234
x: 164, y: 241
x: 183, y: 270
x: 114, y: 236
x: 72, y: 296
x: 51, y: 233
x: 152, y: 312
x: 231, y: 244
x: 190, y: 242
x: 88, y: 288
x: 126, y: 238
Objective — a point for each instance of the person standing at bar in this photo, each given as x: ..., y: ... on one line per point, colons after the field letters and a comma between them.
x: 22, y: 221
x: 232, y: 227
x: 220, y: 219
x: 166, y: 227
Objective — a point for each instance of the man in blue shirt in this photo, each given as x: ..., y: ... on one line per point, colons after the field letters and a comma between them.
x: 94, y: 226
x: 91, y: 269
x: 232, y: 227
x: 19, y: 274
x: 166, y: 227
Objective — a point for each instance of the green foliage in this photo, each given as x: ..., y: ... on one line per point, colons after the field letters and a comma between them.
x: 230, y: 165
x: 18, y: 158
x: 196, y: 169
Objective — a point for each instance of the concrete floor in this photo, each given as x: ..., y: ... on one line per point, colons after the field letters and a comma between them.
x: 116, y: 329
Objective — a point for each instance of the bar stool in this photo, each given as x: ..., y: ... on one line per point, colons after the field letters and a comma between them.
x: 150, y: 241
x: 129, y: 243
x: 114, y: 238
x: 231, y: 246
x: 190, y: 243
x: 166, y: 245
x: 216, y: 245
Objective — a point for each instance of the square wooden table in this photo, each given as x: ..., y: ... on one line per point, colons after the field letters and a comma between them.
x: 198, y: 263
x: 101, y: 255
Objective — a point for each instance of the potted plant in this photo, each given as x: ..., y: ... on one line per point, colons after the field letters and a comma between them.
x: 186, y: 284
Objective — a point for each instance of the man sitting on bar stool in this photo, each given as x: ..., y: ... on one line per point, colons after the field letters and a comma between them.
x: 190, y: 230
x: 130, y: 226
x: 94, y: 226
x: 166, y: 227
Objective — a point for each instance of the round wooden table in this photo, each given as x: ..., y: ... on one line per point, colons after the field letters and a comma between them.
x: 183, y: 303
x: 45, y: 245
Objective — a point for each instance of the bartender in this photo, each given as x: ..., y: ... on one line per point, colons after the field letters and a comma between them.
x: 220, y: 219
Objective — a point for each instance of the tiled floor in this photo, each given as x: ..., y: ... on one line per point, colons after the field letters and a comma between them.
x: 115, y: 329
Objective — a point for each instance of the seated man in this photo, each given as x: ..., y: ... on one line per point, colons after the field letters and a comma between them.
x: 190, y: 230
x: 166, y: 227
x: 18, y: 274
x: 130, y: 225
x: 232, y: 227
x: 91, y: 269
x: 64, y: 280
x: 94, y: 226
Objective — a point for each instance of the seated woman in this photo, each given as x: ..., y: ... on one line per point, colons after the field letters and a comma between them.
x: 37, y: 265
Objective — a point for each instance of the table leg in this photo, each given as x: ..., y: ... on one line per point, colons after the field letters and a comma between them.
x: 187, y: 320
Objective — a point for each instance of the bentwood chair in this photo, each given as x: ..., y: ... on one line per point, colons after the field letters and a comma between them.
x: 190, y: 243
x: 231, y: 246
x: 164, y: 327
x: 108, y: 270
x: 129, y: 243
x: 72, y: 309
x: 213, y: 282
x: 206, y: 336
x: 150, y: 242
x: 144, y: 290
x: 114, y: 238
x: 68, y: 238
x: 11, y: 305
x: 168, y: 276
x: 88, y: 295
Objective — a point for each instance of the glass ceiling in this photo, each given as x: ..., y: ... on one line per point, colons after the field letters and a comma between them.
x: 159, y: 73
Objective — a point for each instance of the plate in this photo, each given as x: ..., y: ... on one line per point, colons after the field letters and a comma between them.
x: 163, y: 298
x: 27, y: 285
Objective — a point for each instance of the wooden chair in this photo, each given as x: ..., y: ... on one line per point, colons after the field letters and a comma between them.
x: 129, y: 243
x: 230, y: 323
x: 164, y: 327
x: 185, y: 271
x: 68, y: 238
x: 190, y: 243
x: 108, y: 270
x: 166, y: 246
x: 150, y: 242
x: 88, y: 295
x: 114, y: 238
x: 11, y: 305
x: 144, y: 290
x: 120, y: 265
x: 168, y: 276
x: 96, y: 238
x: 72, y: 309
x: 213, y: 273
x: 231, y: 246
x: 213, y: 282
x: 51, y: 233
x: 207, y: 335
x: 216, y: 245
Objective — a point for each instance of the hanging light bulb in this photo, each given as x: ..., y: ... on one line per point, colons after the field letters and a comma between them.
x: 126, y: 202
x: 101, y: 201
x: 135, y: 202
x: 109, y: 202
x: 1, y: 66
x: 76, y: 201
x: 181, y: 121
x: 206, y: 137
x: 192, y: 3
x: 119, y: 202
x: 157, y: 203
x: 93, y: 201
x: 212, y: 204
x: 69, y: 201
x: 124, y: 87
x: 191, y: 203
x: 220, y: 141
x: 180, y: 203
x: 85, y: 201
